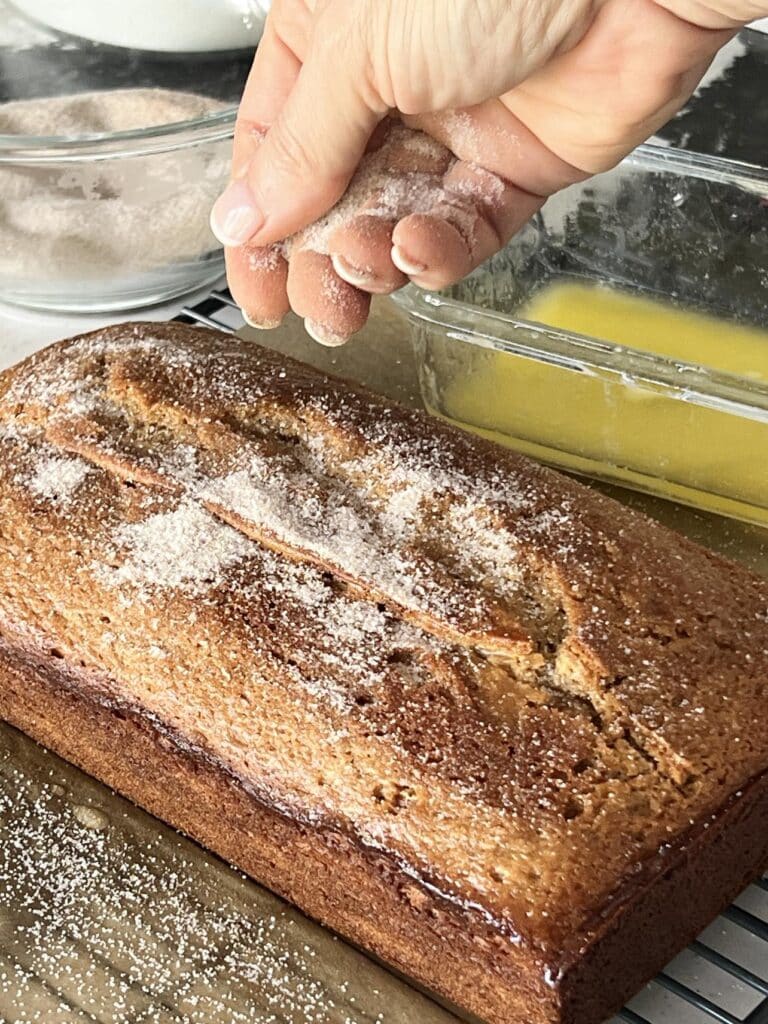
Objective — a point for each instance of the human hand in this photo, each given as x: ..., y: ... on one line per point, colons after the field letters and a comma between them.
x: 518, y: 99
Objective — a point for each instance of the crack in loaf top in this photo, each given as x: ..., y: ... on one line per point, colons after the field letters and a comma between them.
x: 502, y: 654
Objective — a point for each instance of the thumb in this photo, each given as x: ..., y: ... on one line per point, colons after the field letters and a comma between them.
x: 307, y: 157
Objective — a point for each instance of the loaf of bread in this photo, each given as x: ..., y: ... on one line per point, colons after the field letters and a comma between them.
x: 505, y: 733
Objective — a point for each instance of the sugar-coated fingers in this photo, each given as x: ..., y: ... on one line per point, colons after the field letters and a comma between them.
x: 361, y: 248
x: 491, y: 136
x: 258, y: 280
x: 430, y: 218
x: 361, y: 251
x: 478, y: 216
x: 332, y: 309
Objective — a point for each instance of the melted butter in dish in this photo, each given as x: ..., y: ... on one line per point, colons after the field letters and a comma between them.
x: 594, y: 423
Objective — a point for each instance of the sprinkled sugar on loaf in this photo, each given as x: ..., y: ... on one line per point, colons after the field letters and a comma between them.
x: 513, y: 703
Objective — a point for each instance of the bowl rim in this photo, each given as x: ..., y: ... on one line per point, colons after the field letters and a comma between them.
x: 657, y: 155
x: 160, y: 138
x: 593, y: 356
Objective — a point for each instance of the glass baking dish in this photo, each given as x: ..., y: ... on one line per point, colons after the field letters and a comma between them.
x: 622, y: 334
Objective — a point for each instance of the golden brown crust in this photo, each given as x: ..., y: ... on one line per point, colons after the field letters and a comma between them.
x: 515, y: 690
x: 361, y: 894
x: 358, y: 892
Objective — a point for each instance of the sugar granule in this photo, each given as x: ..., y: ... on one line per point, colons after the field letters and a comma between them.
x: 186, y: 548
x: 56, y: 478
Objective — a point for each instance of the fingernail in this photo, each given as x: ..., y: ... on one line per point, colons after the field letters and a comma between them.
x: 351, y: 274
x: 323, y: 335
x: 235, y: 217
x: 402, y: 262
x: 261, y: 325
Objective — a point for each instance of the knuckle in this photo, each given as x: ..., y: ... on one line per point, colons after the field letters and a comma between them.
x: 289, y: 150
x: 347, y: 39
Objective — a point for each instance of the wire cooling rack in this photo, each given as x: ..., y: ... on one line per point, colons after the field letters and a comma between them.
x: 218, y: 309
x: 723, y: 975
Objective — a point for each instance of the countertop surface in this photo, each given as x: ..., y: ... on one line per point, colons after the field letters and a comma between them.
x: 23, y: 331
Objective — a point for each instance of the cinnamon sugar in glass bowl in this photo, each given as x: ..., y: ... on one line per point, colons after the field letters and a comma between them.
x: 110, y: 160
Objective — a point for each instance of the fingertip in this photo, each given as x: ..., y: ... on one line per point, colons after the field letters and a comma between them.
x: 406, y: 264
x: 431, y: 248
x: 235, y: 216
x: 290, y: 202
x: 258, y: 281
x: 317, y: 294
x: 361, y: 254
x: 359, y: 277
x: 289, y: 181
x: 323, y: 336
x: 261, y: 325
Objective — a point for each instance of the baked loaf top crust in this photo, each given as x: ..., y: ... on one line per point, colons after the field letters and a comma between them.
x: 522, y: 692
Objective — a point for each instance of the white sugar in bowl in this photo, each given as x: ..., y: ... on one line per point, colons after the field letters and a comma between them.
x: 170, y: 26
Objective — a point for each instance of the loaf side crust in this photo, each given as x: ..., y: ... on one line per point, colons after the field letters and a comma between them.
x: 326, y: 873
x: 529, y: 714
x: 360, y: 893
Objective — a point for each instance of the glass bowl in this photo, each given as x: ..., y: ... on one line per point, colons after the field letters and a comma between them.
x: 110, y: 160
x: 113, y: 222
